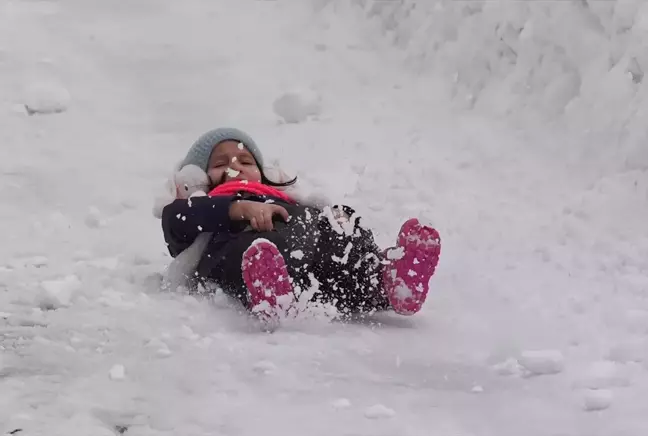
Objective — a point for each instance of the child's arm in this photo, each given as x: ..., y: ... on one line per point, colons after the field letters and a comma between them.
x: 184, y: 220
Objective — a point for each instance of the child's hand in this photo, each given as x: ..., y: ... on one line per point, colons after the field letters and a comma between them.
x: 258, y: 214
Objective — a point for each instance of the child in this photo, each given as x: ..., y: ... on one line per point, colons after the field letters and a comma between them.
x: 265, y: 248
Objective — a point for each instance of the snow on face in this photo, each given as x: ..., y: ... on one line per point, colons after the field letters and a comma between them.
x: 232, y: 173
x: 231, y: 161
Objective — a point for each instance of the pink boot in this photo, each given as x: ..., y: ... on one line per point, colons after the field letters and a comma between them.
x: 411, y: 265
x: 267, y: 280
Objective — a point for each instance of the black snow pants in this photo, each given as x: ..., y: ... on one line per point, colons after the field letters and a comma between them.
x: 344, y: 260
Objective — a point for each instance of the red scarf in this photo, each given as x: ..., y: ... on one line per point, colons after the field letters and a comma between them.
x: 233, y: 187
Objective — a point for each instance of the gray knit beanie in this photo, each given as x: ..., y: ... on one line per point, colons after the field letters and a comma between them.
x: 201, y: 150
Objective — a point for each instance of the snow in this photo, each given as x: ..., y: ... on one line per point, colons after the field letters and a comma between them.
x: 265, y: 367
x: 345, y: 257
x: 379, y: 411
x: 159, y: 347
x: 93, y: 218
x: 58, y: 293
x: 597, y: 400
x: 232, y: 173
x: 542, y: 362
x: 606, y: 374
x: 518, y: 128
x: 46, y: 98
x: 117, y: 372
x: 395, y: 253
x: 341, y: 403
x: 297, y: 106
x: 402, y: 291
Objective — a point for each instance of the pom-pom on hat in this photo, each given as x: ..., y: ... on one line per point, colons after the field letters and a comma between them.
x: 201, y: 150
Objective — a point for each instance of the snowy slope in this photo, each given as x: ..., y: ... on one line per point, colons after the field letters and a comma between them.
x: 574, y: 65
x: 545, y: 244
x: 581, y: 58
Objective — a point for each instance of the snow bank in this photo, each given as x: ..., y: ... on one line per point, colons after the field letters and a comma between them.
x: 581, y: 63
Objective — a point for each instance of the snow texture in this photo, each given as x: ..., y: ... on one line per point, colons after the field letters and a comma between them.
x: 117, y: 372
x: 341, y: 403
x: 542, y: 362
x: 402, y: 292
x: 517, y: 127
x: 297, y: 106
x: 46, y: 98
x: 597, y: 400
x: 379, y: 411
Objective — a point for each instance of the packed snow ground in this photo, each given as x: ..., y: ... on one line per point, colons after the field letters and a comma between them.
x: 537, y: 314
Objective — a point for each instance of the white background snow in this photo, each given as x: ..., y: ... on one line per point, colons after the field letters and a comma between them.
x: 517, y: 128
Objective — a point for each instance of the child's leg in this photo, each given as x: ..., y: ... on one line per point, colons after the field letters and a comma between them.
x: 348, y: 266
x: 359, y: 277
x: 266, y: 258
x: 228, y: 271
x: 269, y: 285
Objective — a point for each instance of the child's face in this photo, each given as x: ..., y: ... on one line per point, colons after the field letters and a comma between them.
x: 230, y: 160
